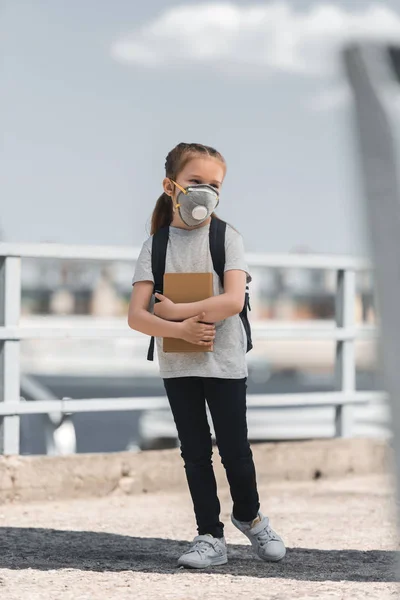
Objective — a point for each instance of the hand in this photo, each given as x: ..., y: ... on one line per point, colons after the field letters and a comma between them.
x: 195, y: 332
x: 165, y: 309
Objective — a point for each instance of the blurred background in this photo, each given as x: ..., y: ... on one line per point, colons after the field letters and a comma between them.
x: 94, y: 94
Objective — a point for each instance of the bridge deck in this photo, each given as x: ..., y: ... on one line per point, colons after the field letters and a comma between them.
x: 340, y: 535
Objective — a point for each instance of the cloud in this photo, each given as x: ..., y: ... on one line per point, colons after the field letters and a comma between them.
x: 264, y: 38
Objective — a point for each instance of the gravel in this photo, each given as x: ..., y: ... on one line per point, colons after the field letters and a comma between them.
x: 340, y: 536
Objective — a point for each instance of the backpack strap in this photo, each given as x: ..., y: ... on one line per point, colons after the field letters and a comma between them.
x: 158, y: 258
x: 217, y: 249
x: 245, y: 320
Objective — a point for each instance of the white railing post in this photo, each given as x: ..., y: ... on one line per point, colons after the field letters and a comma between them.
x: 10, y: 307
x: 345, y: 367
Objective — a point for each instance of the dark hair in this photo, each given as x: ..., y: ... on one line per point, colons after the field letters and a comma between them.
x: 175, y: 162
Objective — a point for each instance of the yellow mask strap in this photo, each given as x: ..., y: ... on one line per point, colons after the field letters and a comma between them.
x: 179, y: 187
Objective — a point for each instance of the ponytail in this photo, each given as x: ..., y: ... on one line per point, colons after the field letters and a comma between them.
x: 162, y: 214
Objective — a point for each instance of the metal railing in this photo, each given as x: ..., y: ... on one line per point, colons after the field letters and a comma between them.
x: 344, y: 334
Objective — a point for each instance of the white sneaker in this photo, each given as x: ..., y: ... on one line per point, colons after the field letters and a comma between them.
x: 266, y: 543
x: 205, y: 551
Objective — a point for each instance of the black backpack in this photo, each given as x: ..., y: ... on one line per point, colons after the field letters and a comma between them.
x: 217, y: 250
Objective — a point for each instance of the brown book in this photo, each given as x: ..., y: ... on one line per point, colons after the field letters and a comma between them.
x: 183, y: 288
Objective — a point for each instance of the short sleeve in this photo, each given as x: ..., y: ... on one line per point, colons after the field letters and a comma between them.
x: 234, y: 253
x: 143, y: 270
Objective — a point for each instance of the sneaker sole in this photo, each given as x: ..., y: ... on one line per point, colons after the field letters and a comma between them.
x: 215, y: 562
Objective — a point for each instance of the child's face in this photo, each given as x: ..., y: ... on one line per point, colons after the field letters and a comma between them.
x: 198, y: 170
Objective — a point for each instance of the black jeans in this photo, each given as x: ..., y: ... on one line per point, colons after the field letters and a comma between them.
x: 226, y: 399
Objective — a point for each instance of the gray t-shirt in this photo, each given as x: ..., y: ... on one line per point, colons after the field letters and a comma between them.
x: 188, y: 251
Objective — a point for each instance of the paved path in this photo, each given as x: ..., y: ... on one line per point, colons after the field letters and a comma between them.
x: 340, y: 536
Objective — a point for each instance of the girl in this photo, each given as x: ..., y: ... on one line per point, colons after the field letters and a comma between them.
x: 194, y: 176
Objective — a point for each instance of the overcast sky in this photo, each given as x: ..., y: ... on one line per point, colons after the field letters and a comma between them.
x: 94, y: 93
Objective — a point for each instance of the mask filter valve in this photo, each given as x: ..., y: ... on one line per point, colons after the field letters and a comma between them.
x: 199, y: 213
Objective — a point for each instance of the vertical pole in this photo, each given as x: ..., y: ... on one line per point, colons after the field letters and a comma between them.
x: 345, y: 367
x: 373, y: 72
x: 10, y: 308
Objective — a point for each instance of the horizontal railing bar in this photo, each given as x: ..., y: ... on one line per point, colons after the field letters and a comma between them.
x: 308, y: 261
x: 313, y: 399
x: 45, y: 332
x: 160, y: 402
x: 300, y: 333
x: 127, y: 253
x: 264, y: 332
x: 70, y: 252
x: 85, y: 405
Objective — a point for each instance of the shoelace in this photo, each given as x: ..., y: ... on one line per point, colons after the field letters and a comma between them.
x: 201, y: 547
x: 266, y: 535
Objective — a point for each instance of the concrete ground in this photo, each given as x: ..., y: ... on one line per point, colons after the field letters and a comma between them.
x: 340, y: 535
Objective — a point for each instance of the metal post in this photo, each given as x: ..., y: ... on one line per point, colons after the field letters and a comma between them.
x: 373, y: 72
x: 345, y: 367
x: 10, y: 308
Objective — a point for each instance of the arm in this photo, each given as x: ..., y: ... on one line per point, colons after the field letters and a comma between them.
x: 139, y: 319
x: 216, y: 308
